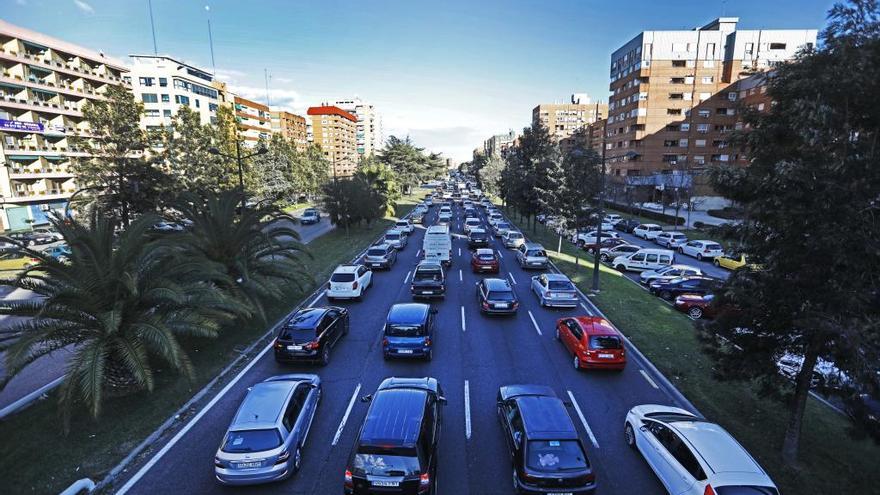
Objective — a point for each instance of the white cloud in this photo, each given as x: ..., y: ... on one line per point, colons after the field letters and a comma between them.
x: 81, y: 5
x: 284, y: 99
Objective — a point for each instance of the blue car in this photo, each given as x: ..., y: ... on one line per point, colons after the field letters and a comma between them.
x: 59, y: 253
x: 409, y: 331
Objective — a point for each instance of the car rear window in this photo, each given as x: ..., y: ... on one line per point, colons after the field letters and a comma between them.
x: 405, y: 330
x: 342, y: 277
x: 537, y: 253
x: 428, y: 275
x: 486, y: 257
x: 376, y: 252
x: 745, y: 490
x: 298, y: 334
x: 555, y: 455
x: 605, y: 342
x: 713, y: 247
x: 251, y: 441
x: 385, y: 465
x: 560, y: 285
x: 500, y: 295
x: 393, y: 237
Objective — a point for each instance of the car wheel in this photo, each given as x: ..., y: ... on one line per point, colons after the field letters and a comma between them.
x: 297, y: 461
x: 716, y: 263
x: 666, y: 295
x: 576, y: 362
x: 699, y: 257
x: 629, y: 435
x: 603, y: 257
x: 681, y: 250
x: 591, y: 251
x: 32, y: 243
x: 620, y: 268
x: 695, y: 312
x: 325, y: 355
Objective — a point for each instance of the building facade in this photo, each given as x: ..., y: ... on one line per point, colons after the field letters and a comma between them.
x: 291, y: 126
x: 334, y: 131
x: 499, y: 143
x: 254, y: 120
x: 44, y: 83
x: 368, y: 135
x: 674, y: 101
x: 563, y: 119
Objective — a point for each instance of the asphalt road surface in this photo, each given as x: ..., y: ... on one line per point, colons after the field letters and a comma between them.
x: 472, y: 353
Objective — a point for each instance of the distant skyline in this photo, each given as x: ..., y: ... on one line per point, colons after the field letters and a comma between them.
x: 449, y: 74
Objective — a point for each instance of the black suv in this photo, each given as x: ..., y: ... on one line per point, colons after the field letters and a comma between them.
x: 429, y: 280
x: 478, y: 238
x: 496, y: 296
x: 32, y: 238
x: 396, y: 448
x: 309, y: 334
x: 671, y: 289
x: 547, y: 452
x: 627, y: 225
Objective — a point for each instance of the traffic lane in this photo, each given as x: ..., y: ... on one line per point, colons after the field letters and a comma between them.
x: 706, y: 266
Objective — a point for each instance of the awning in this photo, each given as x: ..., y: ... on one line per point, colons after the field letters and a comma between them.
x: 56, y: 158
x: 22, y: 157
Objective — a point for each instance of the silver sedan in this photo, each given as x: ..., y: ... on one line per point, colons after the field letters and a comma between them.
x: 554, y: 289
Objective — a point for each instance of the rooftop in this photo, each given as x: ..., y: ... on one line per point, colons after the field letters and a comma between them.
x: 331, y: 110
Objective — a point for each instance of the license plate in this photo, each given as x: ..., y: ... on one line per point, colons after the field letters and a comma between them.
x: 375, y: 264
x: 427, y: 292
x: 248, y: 465
x: 501, y: 306
x: 606, y: 356
x: 404, y: 351
x: 386, y: 483
x: 485, y: 268
x: 294, y: 348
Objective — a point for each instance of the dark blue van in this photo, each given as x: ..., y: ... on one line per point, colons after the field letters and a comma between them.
x: 409, y: 331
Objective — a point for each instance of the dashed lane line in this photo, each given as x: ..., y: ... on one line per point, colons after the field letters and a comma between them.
x: 463, y: 323
x: 467, y: 410
x: 511, y: 278
x: 535, y: 323
x: 345, y: 416
x: 577, y: 408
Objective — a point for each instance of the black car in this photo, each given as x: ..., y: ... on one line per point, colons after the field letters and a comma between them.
x: 396, y: 448
x: 429, y: 280
x: 547, y: 452
x: 32, y: 238
x: 309, y: 334
x: 478, y: 238
x: 496, y: 296
x: 627, y: 225
x: 671, y: 289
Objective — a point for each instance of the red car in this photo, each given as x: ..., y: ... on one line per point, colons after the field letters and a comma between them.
x: 695, y: 305
x: 485, y: 260
x: 606, y: 243
x: 593, y: 341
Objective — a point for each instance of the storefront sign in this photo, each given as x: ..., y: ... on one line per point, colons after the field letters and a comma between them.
x: 18, y: 125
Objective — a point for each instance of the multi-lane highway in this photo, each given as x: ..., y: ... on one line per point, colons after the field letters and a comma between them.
x: 473, y: 356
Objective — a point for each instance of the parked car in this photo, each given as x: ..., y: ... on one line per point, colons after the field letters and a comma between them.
x: 404, y: 226
x: 627, y: 225
x: 670, y: 240
x: 32, y: 238
x: 613, y: 218
x: 56, y: 236
x: 701, y: 249
x: 593, y: 342
x: 60, y: 253
x: 668, y: 273
x: 513, y: 239
x: 532, y: 255
x: 647, y: 231
x: 310, y: 216
x: 607, y: 242
x: 501, y: 228
x: 670, y: 289
x: 485, y: 260
x: 397, y: 239
x: 644, y: 259
x: 609, y: 253
x: 478, y: 238
x: 308, y: 334
x: 731, y: 261
x: 267, y: 435
x: 692, y: 456
x: 396, y: 447
x: 590, y: 237
x: 696, y: 306
x: 382, y: 255
x: 545, y: 447
x: 428, y: 280
x: 349, y: 282
x: 554, y: 290
x: 471, y: 223
x: 496, y: 296
x: 409, y: 331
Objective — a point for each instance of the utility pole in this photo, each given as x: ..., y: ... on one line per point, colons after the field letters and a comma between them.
x: 153, y: 27
x: 266, y: 75
x: 211, y: 41
x: 601, y: 215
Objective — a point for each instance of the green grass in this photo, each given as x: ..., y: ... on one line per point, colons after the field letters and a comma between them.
x: 830, y: 460
x: 297, y: 206
x: 38, y: 458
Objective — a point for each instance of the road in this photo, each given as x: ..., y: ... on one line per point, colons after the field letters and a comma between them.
x: 474, y: 353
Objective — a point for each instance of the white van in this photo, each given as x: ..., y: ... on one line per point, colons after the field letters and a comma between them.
x: 645, y: 259
x: 437, y: 244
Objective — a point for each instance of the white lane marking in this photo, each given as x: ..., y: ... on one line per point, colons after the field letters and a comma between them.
x: 460, y: 277
x: 183, y: 431
x: 585, y: 307
x: 463, y: 324
x: 418, y: 253
x: 467, y: 410
x: 407, y: 276
x: 511, y: 278
x: 583, y: 419
x: 319, y: 296
x: 345, y: 416
x: 459, y: 251
x: 535, y: 323
x: 648, y: 377
x: 500, y: 255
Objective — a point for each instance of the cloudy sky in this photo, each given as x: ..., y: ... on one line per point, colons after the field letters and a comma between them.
x: 449, y: 73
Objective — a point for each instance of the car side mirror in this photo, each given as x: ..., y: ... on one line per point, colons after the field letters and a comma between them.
x: 643, y: 428
x: 313, y: 385
x: 367, y: 398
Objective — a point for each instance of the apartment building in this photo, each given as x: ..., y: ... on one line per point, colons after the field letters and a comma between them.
x: 499, y: 143
x: 593, y: 136
x: 44, y: 83
x: 164, y: 84
x: 674, y: 101
x: 334, y: 130
x: 254, y: 120
x: 291, y: 126
x: 563, y: 119
x: 368, y: 135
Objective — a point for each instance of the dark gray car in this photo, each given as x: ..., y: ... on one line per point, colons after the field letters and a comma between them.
x: 381, y: 255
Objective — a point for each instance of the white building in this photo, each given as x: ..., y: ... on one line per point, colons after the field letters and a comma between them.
x: 369, y: 125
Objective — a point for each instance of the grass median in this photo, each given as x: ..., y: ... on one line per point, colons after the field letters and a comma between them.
x: 38, y: 458
x: 830, y: 460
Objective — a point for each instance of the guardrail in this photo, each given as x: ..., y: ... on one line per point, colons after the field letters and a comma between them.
x: 78, y: 486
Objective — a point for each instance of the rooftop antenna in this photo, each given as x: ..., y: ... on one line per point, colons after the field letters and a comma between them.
x: 153, y: 27
x: 211, y: 41
x: 267, y: 76
x: 723, y: 8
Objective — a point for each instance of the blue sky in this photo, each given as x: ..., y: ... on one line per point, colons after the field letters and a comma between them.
x: 449, y: 72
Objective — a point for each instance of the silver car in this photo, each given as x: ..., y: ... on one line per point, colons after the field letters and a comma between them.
x: 513, y: 239
x: 555, y: 289
x: 265, y: 440
x: 668, y: 273
x: 381, y: 255
x: 532, y: 255
x: 396, y: 238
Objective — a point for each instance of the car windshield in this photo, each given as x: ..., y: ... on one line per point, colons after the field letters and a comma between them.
x: 503, y: 225
x: 434, y: 275
x: 393, y: 330
x: 555, y: 455
x: 605, y: 342
x: 560, y: 285
x: 385, y: 465
x: 392, y: 237
x: 376, y: 252
x: 500, y: 295
x: 342, y: 277
x: 251, y: 441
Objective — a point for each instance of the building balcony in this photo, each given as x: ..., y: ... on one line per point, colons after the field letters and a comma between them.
x: 65, y: 68
x: 41, y: 196
x: 40, y: 106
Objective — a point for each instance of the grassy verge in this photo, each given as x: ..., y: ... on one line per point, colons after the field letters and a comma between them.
x: 38, y: 458
x: 13, y: 264
x: 830, y: 460
x: 297, y: 206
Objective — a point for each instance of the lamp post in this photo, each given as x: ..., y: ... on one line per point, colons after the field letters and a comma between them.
x: 262, y: 150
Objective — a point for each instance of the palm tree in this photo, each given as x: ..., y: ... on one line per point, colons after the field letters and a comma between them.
x: 119, y: 302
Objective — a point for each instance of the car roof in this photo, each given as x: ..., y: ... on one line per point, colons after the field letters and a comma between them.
x: 408, y: 313
x: 263, y: 405
x: 394, y: 418
x: 649, y: 225
x: 556, y: 277
x: 497, y: 284
x: 468, y: 219
x: 596, y: 325
x: 478, y: 231
x: 438, y: 229
x: 382, y: 245
x: 346, y: 268
x: 545, y: 418
x: 429, y: 265
x: 720, y: 451
x: 532, y: 245
x: 307, y: 317
x: 394, y: 231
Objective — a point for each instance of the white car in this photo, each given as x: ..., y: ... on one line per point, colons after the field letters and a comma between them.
x: 471, y: 223
x: 668, y: 273
x: 670, y: 240
x: 585, y: 238
x: 397, y: 239
x: 613, y: 218
x: 701, y: 249
x: 405, y: 226
x: 495, y: 218
x: 445, y: 216
x: 609, y: 253
x: 690, y: 454
x: 647, y: 231
x: 349, y: 282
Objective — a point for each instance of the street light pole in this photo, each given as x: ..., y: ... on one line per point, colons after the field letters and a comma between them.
x: 240, y: 160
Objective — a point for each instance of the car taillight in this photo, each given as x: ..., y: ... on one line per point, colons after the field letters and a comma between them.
x: 385, y: 342
x: 709, y: 490
x: 427, y: 340
x: 282, y: 457
x: 354, y: 286
x: 311, y: 346
x: 278, y: 345
x: 485, y: 305
x: 424, y: 482
x: 589, y: 478
x: 348, y: 482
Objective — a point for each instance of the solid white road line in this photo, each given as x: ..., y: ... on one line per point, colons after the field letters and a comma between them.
x: 648, y: 377
x: 467, y: 410
x: 500, y: 255
x: 535, y: 323
x: 585, y: 307
x: 583, y: 419
x: 511, y: 278
x: 345, y: 416
x: 183, y: 431
x: 460, y: 277
x: 418, y: 253
x: 406, y: 278
x: 463, y: 324
x: 459, y: 251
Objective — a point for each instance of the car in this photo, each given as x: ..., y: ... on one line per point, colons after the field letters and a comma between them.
x: 50, y: 232
x: 396, y: 238
x: 496, y: 296
x: 501, y: 228
x: 32, y: 238
x: 696, y: 306
x: 627, y: 225
x: 607, y: 242
x: 417, y: 217
x: 409, y: 331
x: 554, y: 290
x: 513, y: 239
x: 166, y: 226
x: 593, y: 342
x: 692, y: 456
x: 265, y: 440
x: 494, y: 218
x: 701, y: 249
x: 349, y: 282
x: 310, y: 216
x: 396, y: 447
x: 644, y: 259
x: 60, y: 253
x: 670, y: 240
x: 485, y: 260
x: 731, y: 261
x: 668, y: 273
x: 382, y: 255
x: 670, y: 289
x: 404, y: 226
x: 429, y: 201
x: 469, y: 211
x: 532, y: 255
x: 547, y: 452
x: 613, y: 218
x: 471, y: 223
x: 428, y: 280
x: 647, y: 231
x: 609, y: 253
x: 478, y: 238
x: 444, y: 217
x: 590, y: 237
x: 308, y: 334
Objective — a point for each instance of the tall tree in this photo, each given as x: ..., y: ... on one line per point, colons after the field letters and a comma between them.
x: 272, y: 176
x: 382, y: 182
x: 528, y: 167
x: 186, y: 157
x: 582, y: 173
x: 490, y: 175
x: 411, y: 164
x: 810, y: 193
x: 311, y: 170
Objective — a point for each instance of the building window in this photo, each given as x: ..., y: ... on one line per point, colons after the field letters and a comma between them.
x: 708, y: 79
x: 710, y: 50
x: 699, y: 160
x: 151, y: 112
x: 682, y: 143
x: 676, y: 80
x: 673, y: 111
x: 777, y: 46
x: 760, y: 107
x: 702, y: 128
x: 676, y: 96
x: 700, y: 143
x: 679, y: 63
x: 163, y: 82
x: 731, y: 96
x: 166, y: 99
x: 145, y: 81
x: 197, y: 103
x: 669, y: 143
x: 685, y: 127
x: 166, y: 113
x: 670, y: 158
x: 212, y: 107
x: 149, y: 98
x: 750, y: 48
x: 181, y: 100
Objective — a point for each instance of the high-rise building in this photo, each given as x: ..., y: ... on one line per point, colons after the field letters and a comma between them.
x: 254, y: 121
x: 563, y: 119
x: 44, y: 83
x: 369, y: 138
x: 333, y: 130
x: 499, y: 143
x: 291, y: 126
x: 674, y: 101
